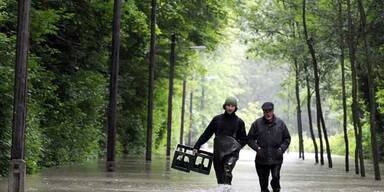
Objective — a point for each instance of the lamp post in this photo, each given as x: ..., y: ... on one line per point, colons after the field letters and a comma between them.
x: 113, y: 87
x: 198, y: 47
x: 17, y: 170
x: 183, y: 112
x: 170, y: 94
x: 151, y: 84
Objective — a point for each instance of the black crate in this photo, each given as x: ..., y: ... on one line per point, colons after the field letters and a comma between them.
x: 184, y: 160
x: 202, y: 162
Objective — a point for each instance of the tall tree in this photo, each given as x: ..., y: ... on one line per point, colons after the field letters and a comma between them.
x: 151, y: 82
x: 371, y: 85
x: 17, y: 175
x: 170, y: 94
x: 298, y: 110
x: 297, y: 94
x: 344, y: 97
x: 310, y: 114
x: 355, y: 104
x: 310, y: 43
x: 113, y: 86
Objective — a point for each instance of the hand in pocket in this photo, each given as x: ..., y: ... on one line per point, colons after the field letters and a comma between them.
x: 260, y: 152
x: 279, y: 152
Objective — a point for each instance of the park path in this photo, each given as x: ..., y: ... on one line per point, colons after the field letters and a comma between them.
x: 135, y: 175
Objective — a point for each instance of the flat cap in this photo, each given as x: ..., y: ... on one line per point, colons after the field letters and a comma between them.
x: 267, y: 106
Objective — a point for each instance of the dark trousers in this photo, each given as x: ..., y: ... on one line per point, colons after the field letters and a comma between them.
x: 263, y: 173
x: 223, y: 169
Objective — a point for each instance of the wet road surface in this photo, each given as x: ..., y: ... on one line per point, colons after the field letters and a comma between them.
x: 135, y: 175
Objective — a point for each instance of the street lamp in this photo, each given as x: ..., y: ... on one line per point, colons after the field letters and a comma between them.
x: 196, y: 47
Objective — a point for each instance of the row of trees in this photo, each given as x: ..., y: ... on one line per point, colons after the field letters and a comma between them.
x: 334, y: 49
x: 70, y: 58
x: 69, y: 70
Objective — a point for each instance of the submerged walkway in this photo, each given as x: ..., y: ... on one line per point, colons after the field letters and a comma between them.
x: 135, y: 175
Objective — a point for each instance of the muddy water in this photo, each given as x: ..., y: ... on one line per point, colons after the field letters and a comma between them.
x: 135, y: 175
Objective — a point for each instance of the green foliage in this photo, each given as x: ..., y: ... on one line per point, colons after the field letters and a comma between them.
x: 7, y: 45
x: 6, y: 101
x: 74, y: 130
x: 276, y: 32
x: 39, y: 89
x: 33, y: 137
x: 44, y: 23
x: 380, y: 100
x: 250, y: 113
x: 336, y: 143
x: 133, y: 79
x: 68, y: 73
x: 69, y: 62
x: 131, y: 133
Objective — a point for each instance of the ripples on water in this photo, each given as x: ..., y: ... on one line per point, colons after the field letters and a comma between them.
x: 134, y: 174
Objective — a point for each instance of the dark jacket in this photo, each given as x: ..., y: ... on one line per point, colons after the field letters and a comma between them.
x: 269, y: 140
x: 224, y: 125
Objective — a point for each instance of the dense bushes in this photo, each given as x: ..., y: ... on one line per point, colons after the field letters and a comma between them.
x: 69, y: 74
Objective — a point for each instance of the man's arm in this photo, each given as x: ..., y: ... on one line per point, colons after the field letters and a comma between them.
x: 241, y: 134
x: 286, y: 138
x: 209, y: 131
x: 252, y: 137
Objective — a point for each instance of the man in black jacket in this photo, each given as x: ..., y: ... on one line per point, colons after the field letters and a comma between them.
x: 230, y: 137
x: 269, y: 137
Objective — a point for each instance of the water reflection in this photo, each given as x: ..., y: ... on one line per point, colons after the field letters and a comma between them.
x: 136, y: 174
x: 168, y: 164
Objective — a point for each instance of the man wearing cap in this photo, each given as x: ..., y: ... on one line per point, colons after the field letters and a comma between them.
x: 230, y: 137
x: 269, y: 137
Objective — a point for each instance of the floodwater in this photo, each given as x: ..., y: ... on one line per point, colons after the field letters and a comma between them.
x: 135, y: 175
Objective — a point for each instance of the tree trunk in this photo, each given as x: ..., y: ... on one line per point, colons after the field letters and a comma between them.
x: 317, y: 89
x: 170, y: 94
x: 310, y: 116
x: 17, y: 174
x: 298, y: 111
x: 320, y: 135
x: 297, y: 90
x: 317, y: 112
x: 355, y: 103
x: 344, y: 97
x: 288, y: 103
x: 324, y: 130
x: 190, y: 118
x: 151, y: 83
x: 113, y: 87
x: 182, y: 113
x: 371, y: 85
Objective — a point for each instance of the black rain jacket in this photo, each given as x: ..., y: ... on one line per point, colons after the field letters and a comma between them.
x: 269, y: 140
x: 230, y: 135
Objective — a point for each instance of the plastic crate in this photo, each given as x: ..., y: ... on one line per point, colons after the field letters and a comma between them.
x: 184, y: 160
x: 202, y: 162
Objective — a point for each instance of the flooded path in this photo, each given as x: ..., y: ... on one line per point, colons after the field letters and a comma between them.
x: 136, y: 175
